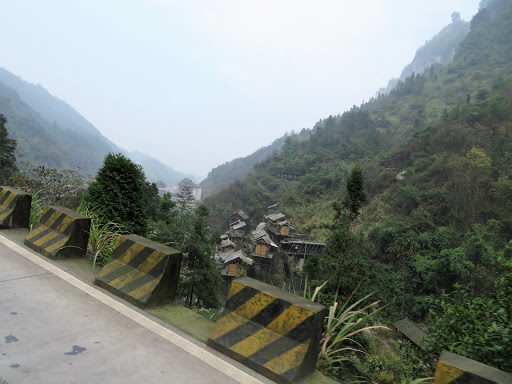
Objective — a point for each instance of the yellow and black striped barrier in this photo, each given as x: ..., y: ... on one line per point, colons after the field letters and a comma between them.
x: 456, y: 369
x: 14, y: 208
x: 61, y: 233
x: 270, y: 330
x: 143, y: 272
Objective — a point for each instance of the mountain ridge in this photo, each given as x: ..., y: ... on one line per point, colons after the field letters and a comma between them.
x: 440, y: 49
x: 390, y: 120
x: 65, y: 139
x: 437, y: 159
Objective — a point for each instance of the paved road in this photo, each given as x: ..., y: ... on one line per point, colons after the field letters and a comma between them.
x: 55, y: 328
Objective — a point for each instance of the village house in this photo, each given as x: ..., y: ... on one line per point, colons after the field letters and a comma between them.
x: 224, y: 236
x: 237, y: 231
x: 238, y: 216
x: 262, y: 250
x: 233, y: 263
x: 227, y: 245
x: 278, y: 227
x: 262, y: 244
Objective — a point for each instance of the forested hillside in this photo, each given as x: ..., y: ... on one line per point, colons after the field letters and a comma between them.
x: 221, y: 176
x: 447, y: 217
x: 50, y: 132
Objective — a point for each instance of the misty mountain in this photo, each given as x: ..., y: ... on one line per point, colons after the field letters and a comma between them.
x: 51, y: 132
x: 219, y: 177
x: 376, y: 132
x: 49, y: 107
x: 438, y: 50
x: 436, y: 153
x: 156, y: 170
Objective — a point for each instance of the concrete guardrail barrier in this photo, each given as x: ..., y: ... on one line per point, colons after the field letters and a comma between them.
x: 14, y: 208
x: 61, y: 233
x: 270, y: 330
x: 143, y: 272
x: 456, y: 369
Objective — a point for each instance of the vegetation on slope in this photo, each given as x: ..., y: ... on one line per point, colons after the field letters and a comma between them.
x: 237, y: 169
x: 450, y: 131
x: 437, y: 159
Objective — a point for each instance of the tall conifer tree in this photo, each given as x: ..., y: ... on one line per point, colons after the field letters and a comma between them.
x: 118, y: 193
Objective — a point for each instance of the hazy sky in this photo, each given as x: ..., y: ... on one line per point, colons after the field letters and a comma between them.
x: 199, y: 83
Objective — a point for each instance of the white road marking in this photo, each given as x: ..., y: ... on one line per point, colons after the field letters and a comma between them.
x: 202, y: 354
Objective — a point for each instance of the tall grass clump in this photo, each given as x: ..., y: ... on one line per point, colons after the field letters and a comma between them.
x: 344, y: 322
x: 102, y: 236
x: 36, y: 209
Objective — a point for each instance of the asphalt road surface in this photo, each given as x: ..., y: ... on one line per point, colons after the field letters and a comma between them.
x: 55, y: 328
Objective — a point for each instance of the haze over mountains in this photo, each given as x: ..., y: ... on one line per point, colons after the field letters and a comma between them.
x: 49, y: 131
x: 440, y: 49
x: 437, y: 159
x: 384, y: 123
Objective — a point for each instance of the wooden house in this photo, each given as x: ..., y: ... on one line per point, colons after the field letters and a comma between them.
x: 233, y: 263
x: 262, y: 244
x: 227, y: 245
x: 284, y: 228
x: 278, y: 227
x: 238, y: 216
x: 237, y: 231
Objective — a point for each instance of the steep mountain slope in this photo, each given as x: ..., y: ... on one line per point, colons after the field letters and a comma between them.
x: 219, y: 177
x: 438, y: 50
x: 49, y: 107
x: 41, y: 142
x: 157, y: 171
x: 448, y: 134
x: 384, y: 124
x: 51, y: 132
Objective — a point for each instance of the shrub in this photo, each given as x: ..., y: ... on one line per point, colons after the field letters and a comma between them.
x: 117, y: 194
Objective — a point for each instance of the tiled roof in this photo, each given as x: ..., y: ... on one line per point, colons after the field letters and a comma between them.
x: 227, y: 243
x: 261, y: 226
x: 276, y: 216
x: 243, y: 215
x: 232, y: 255
x: 239, y: 225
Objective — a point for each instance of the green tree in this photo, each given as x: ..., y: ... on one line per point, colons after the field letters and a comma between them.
x: 342, y: 263
x: 476, y: 327
x: 166, y: 229
x: 7, y: 148
x: 151, y: 200
x: 201, y: 278
x: 118, y: 193
x: 356, y: 195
